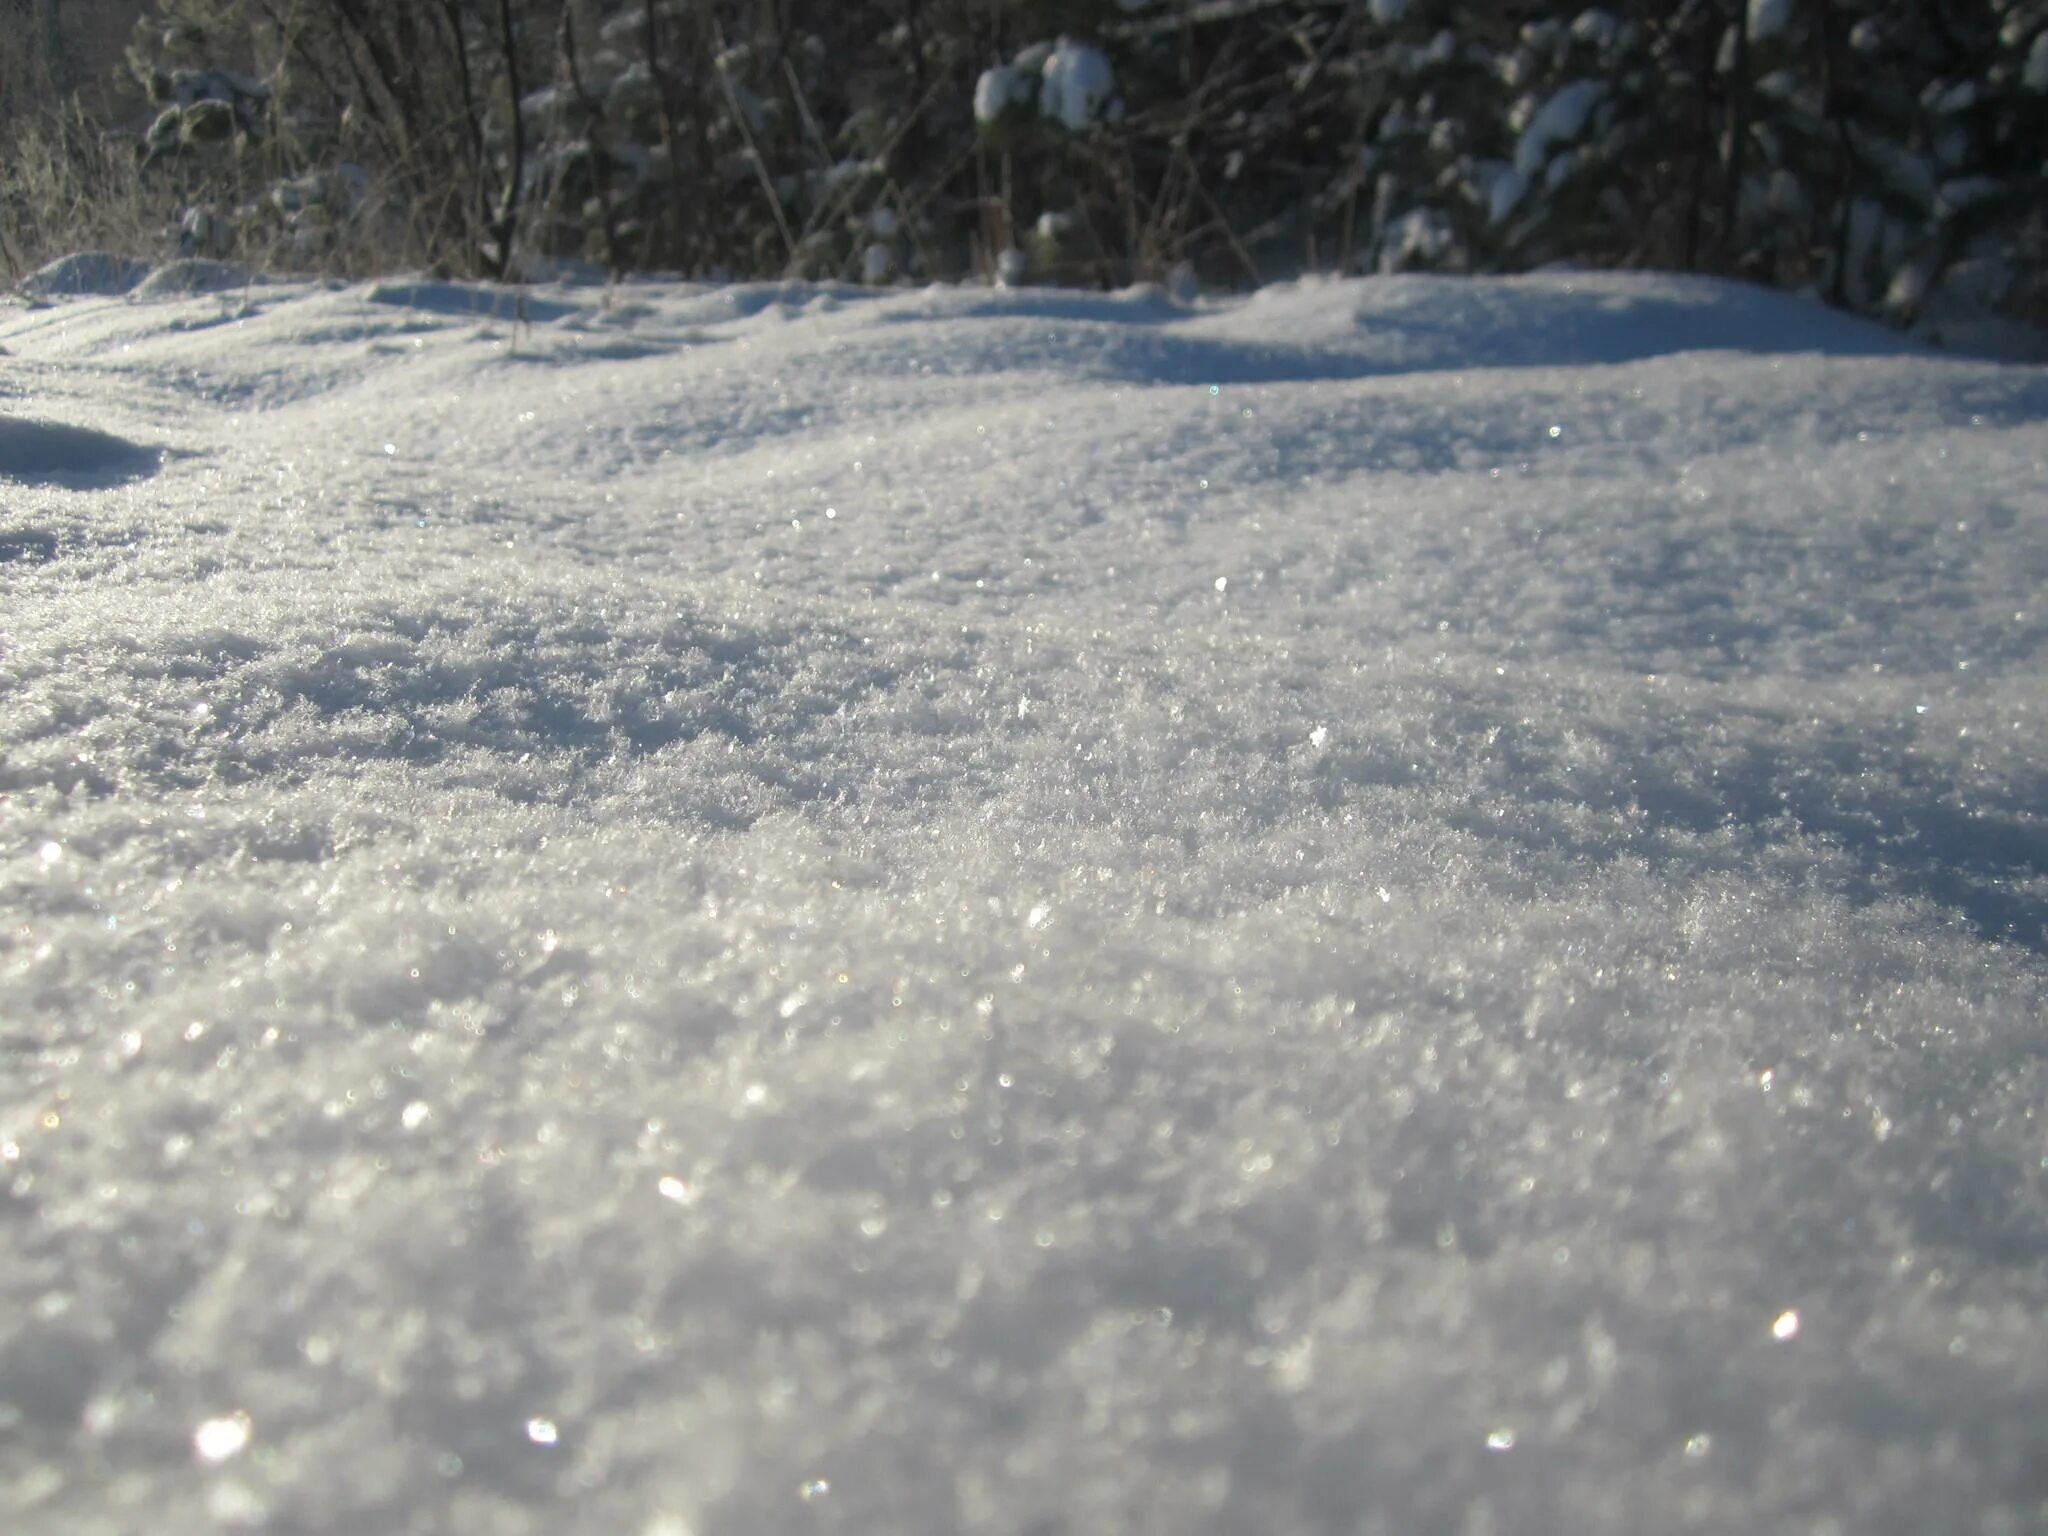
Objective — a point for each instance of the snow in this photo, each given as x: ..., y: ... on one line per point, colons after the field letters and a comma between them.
x: 192, y: 275
x: 1957, y: 99
x: 1964, y: 193
x: 1405, y: 905
x: 1079, y: 86
x: 86, y: 272
x: 1597, y: 28
x: 1770, y: 18
x: 997, y: 90
x: 1075, y: 85
x: 1561, y: 120
x: 1419, y: 237
x: 46, y: 452
x: 1504, y: 194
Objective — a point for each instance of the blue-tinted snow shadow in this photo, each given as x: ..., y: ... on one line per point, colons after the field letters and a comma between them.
x: 715, y: 304
x: 1422, y: 325
x: 79, y: 458
x: 576, y: 346
x: 1903, y: 826
x: 1067, y: 306
x: 743, y: 301
x: 27, y: 546
x: 471, y: 301
x: 1591, y: 322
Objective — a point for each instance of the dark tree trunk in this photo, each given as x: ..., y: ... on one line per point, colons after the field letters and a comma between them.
x: 1738, y: 143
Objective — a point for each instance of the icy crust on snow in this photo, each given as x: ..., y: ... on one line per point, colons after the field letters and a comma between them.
x: 1393, y: 906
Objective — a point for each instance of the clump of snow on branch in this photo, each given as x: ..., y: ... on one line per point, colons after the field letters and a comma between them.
x: 1070, y: 83
x: 1769, y: 19
x: 1079, y: 87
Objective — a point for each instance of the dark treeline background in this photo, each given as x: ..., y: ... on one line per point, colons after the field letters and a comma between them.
x: 1888, y: 154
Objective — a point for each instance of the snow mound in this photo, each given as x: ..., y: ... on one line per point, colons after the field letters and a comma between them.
x: 470, y: 300
x: 48, y: 452
x: 1769, y: 18
x: 1323, y: 330
x: 1546, y: 320
x: 1406, y: 905
x: 85, y: 274
x: 190, y: 276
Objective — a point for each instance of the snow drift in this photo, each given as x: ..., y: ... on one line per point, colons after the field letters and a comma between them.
x: 1391, y: 906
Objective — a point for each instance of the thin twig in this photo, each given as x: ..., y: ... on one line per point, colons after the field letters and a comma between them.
x: 825, y: 213
x: 739, y: 117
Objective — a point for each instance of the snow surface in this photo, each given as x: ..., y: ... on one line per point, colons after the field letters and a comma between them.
x: 1399, y: 906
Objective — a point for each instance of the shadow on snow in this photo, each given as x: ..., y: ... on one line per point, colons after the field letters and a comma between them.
x: 79, y: 458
